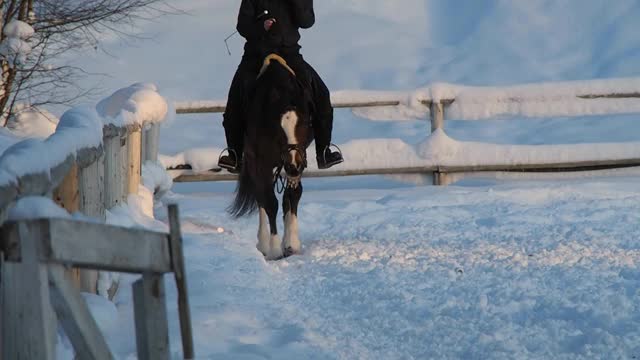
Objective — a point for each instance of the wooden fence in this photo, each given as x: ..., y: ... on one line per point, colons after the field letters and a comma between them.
x: 92, y: 180
x: 35, y: 254
x: 436, y: 111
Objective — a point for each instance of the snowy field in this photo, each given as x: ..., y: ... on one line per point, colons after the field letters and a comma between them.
x: 487, y: 270
x: 483, y: 269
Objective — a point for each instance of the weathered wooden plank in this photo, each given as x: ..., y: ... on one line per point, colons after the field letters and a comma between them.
x: 134, y: 166
x: 549, y: 167
x: 195, y: 176
x: 82, y: 244
x: 91, y: 189
x: 150, y: 310
x: 611, y: 96
x: 8, y: 194
x: 114, y: 177
x: 91, y: 183
x: 28, y: 321
x: 437, y: 116
x: 177, y: 258
x: 43, y: 183
x: 73, y: 313
x: 151, y: 143
x: 337, y: 105
x: 60, y: 171
x: 67, y: 196
x: 88, y: 156
x: 381, y: 103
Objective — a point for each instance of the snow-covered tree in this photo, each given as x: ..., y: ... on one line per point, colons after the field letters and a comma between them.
x: 37, y: 33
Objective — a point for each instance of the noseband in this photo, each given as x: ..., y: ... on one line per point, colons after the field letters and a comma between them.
x: 300, y: 150
x: 288, y: 182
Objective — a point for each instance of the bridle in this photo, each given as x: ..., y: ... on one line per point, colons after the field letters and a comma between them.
x: 287, y: 182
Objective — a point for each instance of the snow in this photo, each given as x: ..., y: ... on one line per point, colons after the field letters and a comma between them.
x: 30, y: 122
x: 533, y: 270
x: 15, y: 50
x: 7, y: 138
x: 14, y: 47
x: 79, y: 127
x: 200, y: 159
x: 442, y: 150
x: 18, y: 29
x: 137, y: 104
x: 156, y: 178
x: 36, y: 207
x: 29, y: 156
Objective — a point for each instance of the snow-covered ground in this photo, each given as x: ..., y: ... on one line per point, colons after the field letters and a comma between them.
x: 494, y: 270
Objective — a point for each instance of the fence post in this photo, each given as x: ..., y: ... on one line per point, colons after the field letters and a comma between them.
x: 91, y: 179
x: 114, y: 176
x: 67, y: 196
x: 437, y: 115
x: 150, y: 312
x: 437, y: 122
x: 150, y: 143
x: 177, y: 261
x: 28, y: 320
x: 133, y: 159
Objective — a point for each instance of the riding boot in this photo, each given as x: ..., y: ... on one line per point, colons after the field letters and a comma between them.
x: 232, y: 162
x: 327, y: 158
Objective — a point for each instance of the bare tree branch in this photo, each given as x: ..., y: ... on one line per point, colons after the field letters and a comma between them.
x: 61, y: 28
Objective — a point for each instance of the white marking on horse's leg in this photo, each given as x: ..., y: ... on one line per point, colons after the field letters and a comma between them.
x: 291, y: 240
x: 263, y: 233
x: 275, y: 252
x: 288, y: 122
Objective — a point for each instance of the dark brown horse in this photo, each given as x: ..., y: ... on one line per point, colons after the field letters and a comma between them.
x: 278, y: 133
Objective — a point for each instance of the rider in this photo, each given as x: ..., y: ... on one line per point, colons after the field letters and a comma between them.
x: 255, y: 20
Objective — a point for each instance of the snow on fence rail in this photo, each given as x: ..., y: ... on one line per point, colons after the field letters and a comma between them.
x: 441, y: 155
x: 91, y: 163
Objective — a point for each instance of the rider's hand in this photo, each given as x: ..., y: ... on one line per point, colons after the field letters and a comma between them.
x: 269, y: 23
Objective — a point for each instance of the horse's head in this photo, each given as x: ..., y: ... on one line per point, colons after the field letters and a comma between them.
x: 295, y: 125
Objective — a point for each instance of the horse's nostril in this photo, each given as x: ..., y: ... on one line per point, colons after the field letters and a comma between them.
x: 291, y: 170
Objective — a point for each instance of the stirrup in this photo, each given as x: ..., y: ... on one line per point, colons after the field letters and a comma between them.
x: 227, y: 167
x: 324, y: 157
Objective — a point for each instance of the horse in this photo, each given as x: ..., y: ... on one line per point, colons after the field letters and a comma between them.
x: 278, y: 132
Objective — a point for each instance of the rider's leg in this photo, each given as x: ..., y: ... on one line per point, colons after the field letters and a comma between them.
x: 234, y: 115
x: 322, y: 118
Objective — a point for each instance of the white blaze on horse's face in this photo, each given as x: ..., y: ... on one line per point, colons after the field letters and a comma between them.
x: 288, y: 122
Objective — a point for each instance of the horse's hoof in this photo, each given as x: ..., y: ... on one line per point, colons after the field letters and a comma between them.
x: 289, y: 251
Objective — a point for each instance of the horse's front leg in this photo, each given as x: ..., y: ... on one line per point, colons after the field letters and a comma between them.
x: 290, y: 209
x: 269, y: 242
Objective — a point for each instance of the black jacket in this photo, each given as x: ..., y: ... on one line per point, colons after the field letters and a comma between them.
x: 290, y: 15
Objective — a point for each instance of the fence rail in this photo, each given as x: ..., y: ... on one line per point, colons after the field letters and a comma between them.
x: 436, y: 109
x: 34, y: 254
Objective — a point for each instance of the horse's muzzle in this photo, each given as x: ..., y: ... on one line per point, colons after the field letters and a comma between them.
x: 293, y: 171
